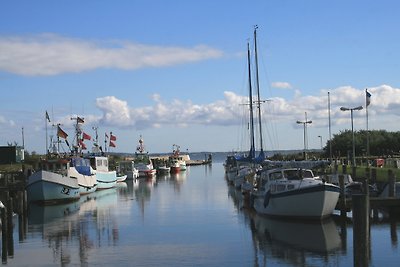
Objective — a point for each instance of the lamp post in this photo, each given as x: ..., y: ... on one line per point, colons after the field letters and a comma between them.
x: 320, y: 138
x: 305, y: 122
x: 352, y: 129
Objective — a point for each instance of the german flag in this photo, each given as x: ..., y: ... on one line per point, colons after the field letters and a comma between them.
x: 61, y: 133
x: 80, y: 120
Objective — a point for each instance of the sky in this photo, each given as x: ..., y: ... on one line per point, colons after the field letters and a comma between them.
x: 175, y: 72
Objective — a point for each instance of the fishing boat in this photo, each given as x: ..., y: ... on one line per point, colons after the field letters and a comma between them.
x: 105, y: 178
x: 142, y: 161
x: 81, y: 170
x: 53, y: 182
x: 100, y: 164
x: 294, y: 192
x: 176, y: 160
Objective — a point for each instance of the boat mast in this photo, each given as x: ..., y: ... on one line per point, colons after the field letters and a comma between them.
x: 258, y: 93
x: 252, y: 146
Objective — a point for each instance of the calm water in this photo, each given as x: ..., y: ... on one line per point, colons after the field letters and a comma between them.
x: 192, y: 219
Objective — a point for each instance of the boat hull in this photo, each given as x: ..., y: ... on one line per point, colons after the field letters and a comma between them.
x: 316, y: 201
x: 87, y: 183
x: 106, y: 180
x: 46, y: 187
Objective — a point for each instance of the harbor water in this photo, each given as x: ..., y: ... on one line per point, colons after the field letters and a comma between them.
x: 189, y: 219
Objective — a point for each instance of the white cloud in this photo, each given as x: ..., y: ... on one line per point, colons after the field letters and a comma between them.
x: 49, y: 54
x: 232, y: 109
x: 281, y: 85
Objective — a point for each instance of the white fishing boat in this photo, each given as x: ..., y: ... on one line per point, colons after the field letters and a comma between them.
x: 53, y: 182
x: 81, y: 170
x: 294, y: 192
x: 177, y: 161
x: 105, y: 178
x: 142, y: 161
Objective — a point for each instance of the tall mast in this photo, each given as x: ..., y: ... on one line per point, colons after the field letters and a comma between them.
x: 258, y: 92
x: 252, y: 146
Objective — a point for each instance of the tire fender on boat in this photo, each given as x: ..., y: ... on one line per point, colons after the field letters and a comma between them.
x: 267, y: 198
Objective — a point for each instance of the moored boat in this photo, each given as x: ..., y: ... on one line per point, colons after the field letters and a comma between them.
x: 52, y: 183
x: 81, y: 170
x: 291, y: 192
x: 105, y: 178
x: 142, y: 161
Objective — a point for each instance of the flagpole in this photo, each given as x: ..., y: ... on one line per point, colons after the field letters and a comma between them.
x: 45, y: 119
x: 330, y: 132
x: 366, y: 110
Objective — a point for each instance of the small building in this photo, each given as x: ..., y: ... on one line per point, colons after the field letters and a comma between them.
x: 11, y: 154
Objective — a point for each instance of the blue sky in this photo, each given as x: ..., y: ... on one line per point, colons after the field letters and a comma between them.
x: 175, y: 71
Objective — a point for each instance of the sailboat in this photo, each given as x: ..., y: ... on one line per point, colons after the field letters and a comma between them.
x: 290, y: 192
x: 247, y: 166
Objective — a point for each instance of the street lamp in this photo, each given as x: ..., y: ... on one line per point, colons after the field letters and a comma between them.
x: 352, y: 129
x: 320, y: 137
x: 305, y: 122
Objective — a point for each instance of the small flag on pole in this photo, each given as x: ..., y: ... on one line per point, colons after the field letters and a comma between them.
x: 86, y: 136
x: 113, y: 137
x: 47, y: 116
x: 80, y: 120
x: 367, y: 98
x: 61, y: 133
x: 112, y: 144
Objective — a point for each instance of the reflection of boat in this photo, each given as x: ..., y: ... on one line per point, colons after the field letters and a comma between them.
x: 294, y: 192
x: 305, y: 236
x: 44, y: 214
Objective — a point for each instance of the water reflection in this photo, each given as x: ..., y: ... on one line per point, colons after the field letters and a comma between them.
x: 91, y: 222
x: 291, y: 241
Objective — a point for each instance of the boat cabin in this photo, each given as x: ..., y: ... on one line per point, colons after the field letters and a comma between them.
x: 284, y: 174
x: 99, y: 163
x: 82, y: 165
x: 54, y: 165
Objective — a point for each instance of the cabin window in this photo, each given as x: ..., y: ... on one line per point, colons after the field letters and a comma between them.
x: 98, y: 162
x: 292, y: 175
x: 280, y: 187
x: 307, y: 174
x: 105, y: 163
x: 290, y: 187
x: 275, y: 175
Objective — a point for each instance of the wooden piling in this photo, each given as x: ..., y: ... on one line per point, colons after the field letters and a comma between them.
x: 361, y: 239
x: 354, y: 173
x: 342, y: 199
x: 4, y: 234
x: 392, y: 181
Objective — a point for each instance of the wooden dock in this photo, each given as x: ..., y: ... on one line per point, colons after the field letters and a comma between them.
x: 374, y: 202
